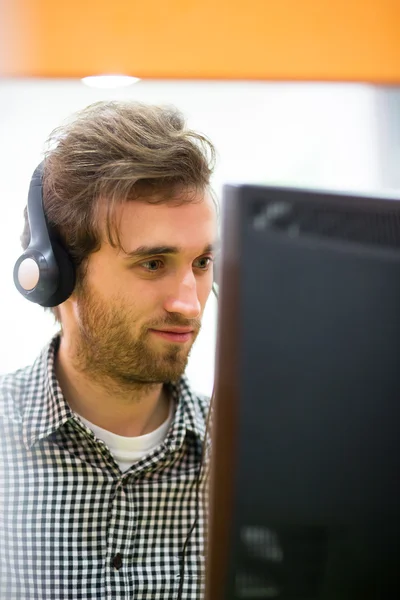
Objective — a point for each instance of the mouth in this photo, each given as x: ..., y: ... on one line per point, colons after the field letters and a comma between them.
x: 179, y: 335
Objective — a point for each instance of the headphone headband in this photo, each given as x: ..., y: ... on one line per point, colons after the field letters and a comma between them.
x: 37, y: 221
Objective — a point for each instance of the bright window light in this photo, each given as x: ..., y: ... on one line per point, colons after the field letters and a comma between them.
x: 109, y: 81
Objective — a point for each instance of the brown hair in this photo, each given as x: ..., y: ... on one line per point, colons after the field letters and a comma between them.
x: 117, y: 152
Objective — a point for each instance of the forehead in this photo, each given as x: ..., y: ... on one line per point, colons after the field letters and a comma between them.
x: 189, y: 225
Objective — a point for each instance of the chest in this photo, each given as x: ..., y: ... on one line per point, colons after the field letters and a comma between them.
x: 74, y: 528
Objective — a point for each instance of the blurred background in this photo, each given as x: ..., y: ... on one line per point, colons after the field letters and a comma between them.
x: 275, y: 105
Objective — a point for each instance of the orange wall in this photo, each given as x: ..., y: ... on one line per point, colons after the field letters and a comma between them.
x: 342, y: 40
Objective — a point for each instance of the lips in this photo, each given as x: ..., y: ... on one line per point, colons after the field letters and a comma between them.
x: 174, y: 334
x: 176, y: 330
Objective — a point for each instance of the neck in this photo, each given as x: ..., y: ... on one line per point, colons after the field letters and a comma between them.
x: 129, y: 410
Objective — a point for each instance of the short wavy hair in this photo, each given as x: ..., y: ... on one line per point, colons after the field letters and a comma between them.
x: 116, y: 152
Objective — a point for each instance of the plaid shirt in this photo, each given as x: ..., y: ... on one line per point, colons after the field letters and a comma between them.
x: 71, y: 524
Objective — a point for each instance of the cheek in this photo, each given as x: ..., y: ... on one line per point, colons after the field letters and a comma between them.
x: 137, y: 297
x: 111, y: 283
x: 102, y: 280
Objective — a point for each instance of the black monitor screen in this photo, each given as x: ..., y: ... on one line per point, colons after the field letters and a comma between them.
x: 305, y: 499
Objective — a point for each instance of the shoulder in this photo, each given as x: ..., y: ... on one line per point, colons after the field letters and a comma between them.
x: 13, y: 389
x: 202, y: 402
x: 20, y: 387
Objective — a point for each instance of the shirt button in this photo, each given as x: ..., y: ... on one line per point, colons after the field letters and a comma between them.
x: 117, y: 561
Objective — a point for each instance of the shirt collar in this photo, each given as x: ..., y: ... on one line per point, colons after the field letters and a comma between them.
x: 191, y: 408
x: 46, y: 410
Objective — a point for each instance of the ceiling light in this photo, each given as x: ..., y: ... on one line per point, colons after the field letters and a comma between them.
x: 107, y: 82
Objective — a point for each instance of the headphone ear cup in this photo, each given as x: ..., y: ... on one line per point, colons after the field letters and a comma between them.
x: 67, y: 277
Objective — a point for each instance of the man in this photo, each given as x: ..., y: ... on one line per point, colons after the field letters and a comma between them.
x: 102, y: 438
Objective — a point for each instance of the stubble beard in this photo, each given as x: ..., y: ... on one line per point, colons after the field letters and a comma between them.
x: 108, y: 350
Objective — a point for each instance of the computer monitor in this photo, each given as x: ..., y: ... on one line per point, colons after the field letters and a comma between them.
x: 305, y: 501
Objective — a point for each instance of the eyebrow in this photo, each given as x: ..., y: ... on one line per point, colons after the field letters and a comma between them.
x: 144, y: 251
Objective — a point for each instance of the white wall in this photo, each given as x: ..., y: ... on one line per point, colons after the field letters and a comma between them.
x: 306, y: 134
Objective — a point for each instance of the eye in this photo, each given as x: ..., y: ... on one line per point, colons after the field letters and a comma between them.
x: 203, y: 263
x: 152, y: 266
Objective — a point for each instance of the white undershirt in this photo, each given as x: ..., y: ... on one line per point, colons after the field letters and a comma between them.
x: 128, y: 450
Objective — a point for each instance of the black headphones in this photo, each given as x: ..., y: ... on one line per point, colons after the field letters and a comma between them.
x: 44, y: 273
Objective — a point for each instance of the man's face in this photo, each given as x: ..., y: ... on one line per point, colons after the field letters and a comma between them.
x: 140, y: 308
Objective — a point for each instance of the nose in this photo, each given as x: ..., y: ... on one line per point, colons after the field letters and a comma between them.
x: 184, y: 300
